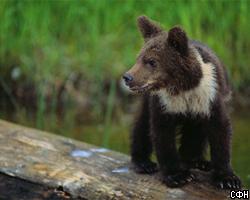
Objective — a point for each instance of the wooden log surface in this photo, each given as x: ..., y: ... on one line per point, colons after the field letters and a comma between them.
x: 84, y: 171
x: 12, y: 188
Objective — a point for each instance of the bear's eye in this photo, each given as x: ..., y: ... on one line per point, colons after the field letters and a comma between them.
x: 151, y: 62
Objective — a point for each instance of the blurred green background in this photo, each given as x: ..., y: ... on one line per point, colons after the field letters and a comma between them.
x: 61, y: 63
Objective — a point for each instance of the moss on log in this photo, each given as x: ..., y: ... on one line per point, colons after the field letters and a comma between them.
x: 83, y: 171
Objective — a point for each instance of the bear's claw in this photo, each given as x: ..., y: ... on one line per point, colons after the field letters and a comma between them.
x: 228, y: 182
x: 200, y: 164
x: 145, y: 167
x: 178, y: 179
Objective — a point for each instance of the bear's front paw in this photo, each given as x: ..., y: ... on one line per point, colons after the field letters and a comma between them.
x: 200, y: 164
x: 178, y: 179
x: 145, y: 167
x: 227, y: 181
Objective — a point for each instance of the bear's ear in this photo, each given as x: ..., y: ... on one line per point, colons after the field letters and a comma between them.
x: 147, y: 27
x: 177, y: 39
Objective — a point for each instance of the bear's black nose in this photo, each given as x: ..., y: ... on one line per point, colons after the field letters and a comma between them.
x: 127, y: 77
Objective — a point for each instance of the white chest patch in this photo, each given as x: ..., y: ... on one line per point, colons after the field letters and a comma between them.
x: 197, y: 100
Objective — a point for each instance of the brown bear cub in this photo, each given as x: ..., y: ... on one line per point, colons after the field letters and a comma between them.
x: 185, y: 91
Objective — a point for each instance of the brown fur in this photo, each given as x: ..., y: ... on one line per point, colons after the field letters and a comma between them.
x: 185, y: 86
x: 167, y: 50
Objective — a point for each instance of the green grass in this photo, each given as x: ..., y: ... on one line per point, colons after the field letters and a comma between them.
x: 47, y: 41
x: 99, y: 38
x: 240, y: 148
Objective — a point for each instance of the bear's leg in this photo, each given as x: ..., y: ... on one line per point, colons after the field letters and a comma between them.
x: 219, y: 133
x: 141, y: 144
x: 163, y: 127
x: 194, y: 145
x: 174, y: 175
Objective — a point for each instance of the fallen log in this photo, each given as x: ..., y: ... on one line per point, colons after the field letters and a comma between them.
x: 48, y: 166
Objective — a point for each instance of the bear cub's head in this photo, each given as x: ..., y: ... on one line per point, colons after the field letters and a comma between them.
x: 166, y: 61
